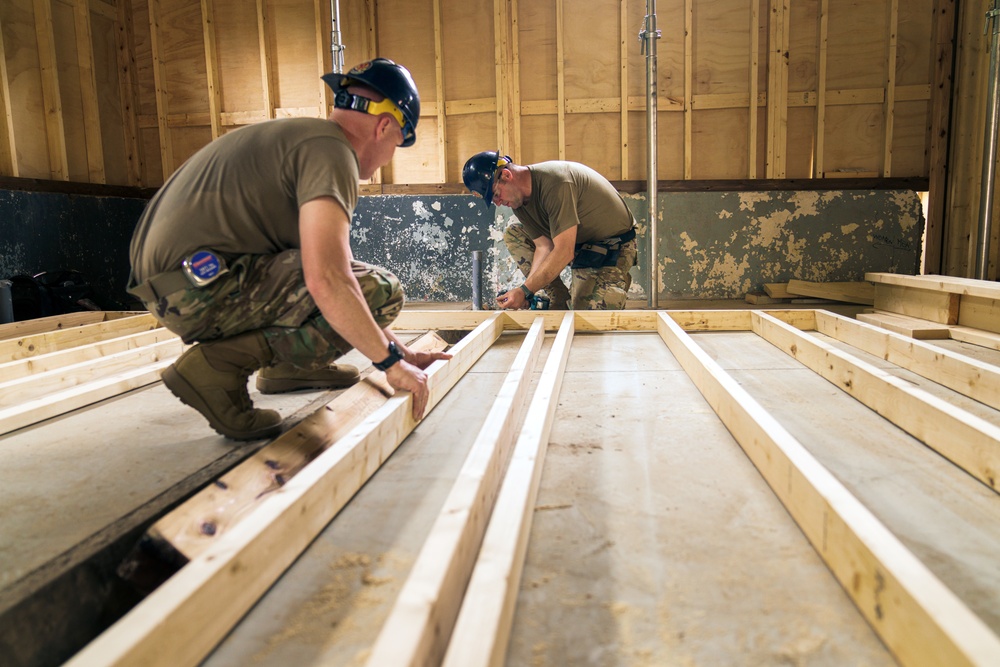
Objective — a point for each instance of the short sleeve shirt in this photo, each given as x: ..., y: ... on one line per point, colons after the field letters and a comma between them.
x: 565, y: 194
x: 241, y: 193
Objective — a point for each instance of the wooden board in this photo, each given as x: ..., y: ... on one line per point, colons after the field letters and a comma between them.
x: 849, y: 292
x: 908, y: 326
x: 925, y: 304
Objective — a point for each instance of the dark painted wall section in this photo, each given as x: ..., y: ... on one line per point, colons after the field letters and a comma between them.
x: 41, y: 231
x: 712, y: 244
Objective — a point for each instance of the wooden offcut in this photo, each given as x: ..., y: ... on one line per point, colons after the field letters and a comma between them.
x: 848, y: 292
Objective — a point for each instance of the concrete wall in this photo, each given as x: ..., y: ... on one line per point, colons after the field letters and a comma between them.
x: 712, y: 244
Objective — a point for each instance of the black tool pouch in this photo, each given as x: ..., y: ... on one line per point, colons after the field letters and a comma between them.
x: 589, y: 256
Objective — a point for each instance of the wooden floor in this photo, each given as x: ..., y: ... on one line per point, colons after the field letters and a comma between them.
x: 655, y: 540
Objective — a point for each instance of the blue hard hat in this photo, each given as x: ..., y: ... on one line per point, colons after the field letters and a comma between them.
x: 480, y: 173
x: 394, y: 81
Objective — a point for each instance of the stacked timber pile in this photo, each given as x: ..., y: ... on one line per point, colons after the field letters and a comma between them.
x: 803, y: 291
x: 52, y: 365
x: 937, y: 307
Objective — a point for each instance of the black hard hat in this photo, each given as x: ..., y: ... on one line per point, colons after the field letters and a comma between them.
x: 392, y: 80
x: 480, y: 173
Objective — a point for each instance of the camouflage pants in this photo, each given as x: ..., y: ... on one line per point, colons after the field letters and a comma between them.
x: 604, y: 288
x: 268, y: 293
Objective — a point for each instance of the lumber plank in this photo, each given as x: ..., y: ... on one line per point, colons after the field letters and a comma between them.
x: 191, y: 528
x: 917, y: 617
x: 61, y: 402
x: 43, y: 363
x: 180, y: 622
x: 762, y: 299
x: 913, y: 327
x: 933, y: 305
x: 421, y: 620
x: 850, y: 292
x: 968, y: 441
x: 950, y: 284
x: 56, y: 322
x: 482, y: 630
x: 976, y: 337
x: 778, y: 291
x: 36, y: 385
x: 979, y: 312
x: 36, y: 344
x: 8, y: 144
x: 55, y: 130
x: 970, y: 377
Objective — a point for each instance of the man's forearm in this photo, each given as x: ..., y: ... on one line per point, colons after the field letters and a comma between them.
x: 545, y: 268
x: 345, y: 309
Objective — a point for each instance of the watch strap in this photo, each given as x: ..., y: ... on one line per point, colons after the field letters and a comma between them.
x: 388, y: 362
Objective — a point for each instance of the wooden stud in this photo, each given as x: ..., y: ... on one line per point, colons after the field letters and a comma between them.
x: 777, y: 88
x: 266, y: 68
x: 941, y: 307
x: 623, y: 72
x: 18, y: 391
x: 754, y: 86
x: 975, y: 337
x: 889, y: 108
x: 421, y: 620
x: 514, y: 87
x: 50, y: 361
x: 912, y: 327
x: 127, y: 86
x: 61, y: 402
x: 323, y: 90
x: 203, y: 519
x: 54, y: 127
x: 850, y: 292
x: 919, y: 619
x: 979, y: 312
x: 939, y: 130
x: 482, y: 630
x: 88, y: 92
x: 970, y: 377
x: 211, y: 66
x: 560, y: 81
x: 8, y: 145
x: 688, y: 87
x: 821, y: 41
x: 42, y: 343
x: 442, y: 138
x: 968, y: 441
x: 52, y: 323
x: 951, y: 284
x: 182, y: 620
x: 160, y: 81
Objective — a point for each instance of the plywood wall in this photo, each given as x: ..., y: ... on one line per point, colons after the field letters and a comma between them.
x: 123, y: 91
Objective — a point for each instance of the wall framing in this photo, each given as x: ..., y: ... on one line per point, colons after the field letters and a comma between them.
x: 916, y: 616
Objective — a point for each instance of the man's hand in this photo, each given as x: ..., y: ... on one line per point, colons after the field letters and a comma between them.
x: 513, y: 300
x: 424, y: 359
x: 407, y: 377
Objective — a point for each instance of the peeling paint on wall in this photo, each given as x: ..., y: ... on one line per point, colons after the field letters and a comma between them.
x: 712, y: 244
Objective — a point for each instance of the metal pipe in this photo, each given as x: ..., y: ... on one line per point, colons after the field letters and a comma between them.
x: 989, y: 149
x: 648, y: 36
x: 477, y: 280
x: 336, y: 48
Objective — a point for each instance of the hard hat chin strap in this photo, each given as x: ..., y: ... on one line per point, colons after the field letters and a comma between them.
x: 346, y: 100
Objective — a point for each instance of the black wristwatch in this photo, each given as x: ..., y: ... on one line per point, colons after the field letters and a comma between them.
x: 394, y: 356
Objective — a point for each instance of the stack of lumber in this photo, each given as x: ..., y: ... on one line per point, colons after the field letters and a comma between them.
x: 937, y: 307
x: 52, y: 365
x: 803, y: 291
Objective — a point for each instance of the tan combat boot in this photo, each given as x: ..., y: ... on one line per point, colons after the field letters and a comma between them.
x: 283, y: 376
x: 212, y: 379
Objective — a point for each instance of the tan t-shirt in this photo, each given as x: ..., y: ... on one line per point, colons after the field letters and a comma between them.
x: 241, y: 193
x: 564, y: 194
